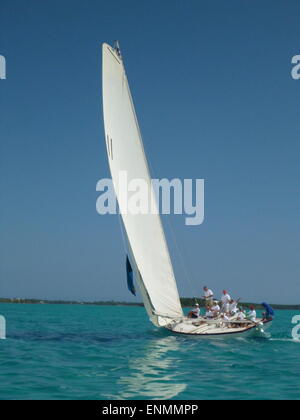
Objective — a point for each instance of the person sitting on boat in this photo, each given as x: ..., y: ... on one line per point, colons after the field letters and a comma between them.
x: 226, y: 320
x: 269, y: 314
x: 225, y: 299
x: 208, y: 296
x: 216, y: 308
x: 252, y: 314
x: 238, y: 318
x: 233, y: 307
x: 209, y: 313
x: 195, y: 313
x: 241, y: 315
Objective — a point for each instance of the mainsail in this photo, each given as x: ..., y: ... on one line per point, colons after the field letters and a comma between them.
x: 148, y: 251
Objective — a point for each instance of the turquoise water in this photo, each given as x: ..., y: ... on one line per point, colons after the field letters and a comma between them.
x: 109, y: 352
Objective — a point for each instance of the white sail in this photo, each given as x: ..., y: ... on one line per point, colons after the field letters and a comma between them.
x: 148, y: 249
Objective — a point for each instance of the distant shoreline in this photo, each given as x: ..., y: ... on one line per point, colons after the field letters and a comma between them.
x: 185, y: 302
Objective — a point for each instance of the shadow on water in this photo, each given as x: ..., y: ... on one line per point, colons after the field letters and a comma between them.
x: 146, y: 335
x: 73, y: 337
x: 88, y: 337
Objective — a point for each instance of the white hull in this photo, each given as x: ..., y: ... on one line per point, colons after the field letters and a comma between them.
x: 213, y: 329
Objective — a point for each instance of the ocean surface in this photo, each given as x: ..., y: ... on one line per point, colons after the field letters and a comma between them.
x: 114, y: 352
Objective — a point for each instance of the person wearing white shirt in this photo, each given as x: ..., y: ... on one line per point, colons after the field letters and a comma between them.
x: 225, y: 317
x: 226, y: 320
x: 233, y: 307
x: 225, y: 308
x: 208, y: 296
x: 241, y: 315
x: 195, y: 313
x: 225, y: 299
x: 216, y: 308
x: 252, y: 314
x: 209, y: 313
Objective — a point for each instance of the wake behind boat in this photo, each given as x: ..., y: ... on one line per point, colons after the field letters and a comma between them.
x: 148, y: 259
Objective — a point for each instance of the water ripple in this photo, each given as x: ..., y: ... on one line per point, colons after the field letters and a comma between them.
x: 61, y: 352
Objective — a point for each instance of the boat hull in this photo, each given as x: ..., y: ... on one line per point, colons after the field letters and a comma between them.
x: 210, y: 331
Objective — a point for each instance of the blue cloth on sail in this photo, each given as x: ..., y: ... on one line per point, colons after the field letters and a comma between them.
x: 269, y: 310
x: 130, y: 277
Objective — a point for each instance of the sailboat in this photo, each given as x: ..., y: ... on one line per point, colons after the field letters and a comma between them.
x: 148, y: 261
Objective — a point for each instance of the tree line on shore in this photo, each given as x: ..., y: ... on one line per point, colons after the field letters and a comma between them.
x: 185, y: 302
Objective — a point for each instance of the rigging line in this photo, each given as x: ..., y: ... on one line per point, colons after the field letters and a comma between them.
x: 151, y: 169
x: 182, y: 262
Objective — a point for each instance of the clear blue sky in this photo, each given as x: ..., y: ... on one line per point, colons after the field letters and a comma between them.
x: 215, y: 99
